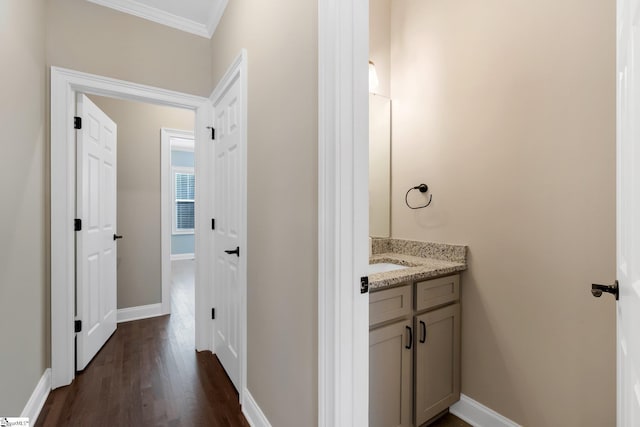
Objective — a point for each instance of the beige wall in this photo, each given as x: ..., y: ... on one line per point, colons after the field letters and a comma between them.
x: 281, y: 41
x: 139, y: 258
x: 380, y: 43
x: 87, y: 37
x: 507, y: 111
x: 23, y: 230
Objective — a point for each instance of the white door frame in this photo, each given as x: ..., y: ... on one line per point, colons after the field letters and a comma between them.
x: 166, y: 205
x: 64, y: 86
x: 343, y: 213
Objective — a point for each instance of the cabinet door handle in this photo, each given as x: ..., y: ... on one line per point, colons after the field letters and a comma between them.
x: 424, y: 332
x: 408, y: 347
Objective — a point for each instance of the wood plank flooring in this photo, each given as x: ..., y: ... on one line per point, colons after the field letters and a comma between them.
x: 148, y: 374
x: 449, y: 420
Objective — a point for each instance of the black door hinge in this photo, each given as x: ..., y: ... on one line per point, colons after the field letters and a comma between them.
x: 364, y: 285
x: 77, y: 326
x: 213, y: 132
x: 213, y: 223
x: 77, y: 122
x: 77, y: 224
x: 213, y: 313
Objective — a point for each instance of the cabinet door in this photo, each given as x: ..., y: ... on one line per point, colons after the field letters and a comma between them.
x: 437, y: 382
x: 390, y: 375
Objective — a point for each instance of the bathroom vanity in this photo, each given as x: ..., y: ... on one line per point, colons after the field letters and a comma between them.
x: 414, y: 338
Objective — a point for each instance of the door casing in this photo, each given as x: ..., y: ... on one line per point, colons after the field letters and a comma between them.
x: 64, y: 86
x: 627, y: 206
x: 343, y: 212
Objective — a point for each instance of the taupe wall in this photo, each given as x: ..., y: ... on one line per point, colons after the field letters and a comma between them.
x: 23, y: 230
x: 281, y: 40
x: 139, y: 257
x: 87, y: 37
x: 507, y: 111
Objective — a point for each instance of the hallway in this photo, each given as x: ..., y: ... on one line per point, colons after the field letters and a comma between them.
x: 149, y: 374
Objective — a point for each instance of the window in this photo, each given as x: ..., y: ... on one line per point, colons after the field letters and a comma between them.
x: 184, y: 185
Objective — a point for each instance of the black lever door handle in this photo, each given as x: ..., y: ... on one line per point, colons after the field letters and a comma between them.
x: 234, y: 251
x: 408, y: 347
x: 597, y: 290
x: 116, y: 237
x: 424, y: 332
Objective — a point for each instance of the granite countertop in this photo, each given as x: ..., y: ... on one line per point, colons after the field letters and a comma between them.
x: 425, y: 260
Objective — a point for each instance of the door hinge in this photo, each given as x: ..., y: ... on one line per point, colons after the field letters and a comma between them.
x: 77, y: 224
x: 213, y: 313
x: 77, y: 326
x: 77, y: 122
x: 213, y: 223
x: 213, y: 132
x: 364, y: 284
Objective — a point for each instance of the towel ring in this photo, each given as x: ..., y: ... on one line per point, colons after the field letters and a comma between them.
x: 423, y: 188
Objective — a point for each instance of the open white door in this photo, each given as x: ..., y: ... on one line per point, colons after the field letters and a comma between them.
x: 628, y: 211
x: 229, y: 207
x: 96, y: 241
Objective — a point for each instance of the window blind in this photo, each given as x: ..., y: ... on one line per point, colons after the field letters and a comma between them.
x: 185, y: 186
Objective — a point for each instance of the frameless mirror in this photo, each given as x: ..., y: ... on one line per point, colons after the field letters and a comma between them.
x: 379, y: 166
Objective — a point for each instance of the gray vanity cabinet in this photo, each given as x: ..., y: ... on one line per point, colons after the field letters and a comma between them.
x: 414, y: 352
x: 437, y: 361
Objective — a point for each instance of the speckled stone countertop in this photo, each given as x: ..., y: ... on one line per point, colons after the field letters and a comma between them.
x: 425, y: 260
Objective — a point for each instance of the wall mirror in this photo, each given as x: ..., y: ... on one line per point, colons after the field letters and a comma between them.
x: 379, y: 166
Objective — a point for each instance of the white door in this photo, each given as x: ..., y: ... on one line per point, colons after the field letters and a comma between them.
x: 96, y: 241
x: 229, y: 255
x: 628, y: 210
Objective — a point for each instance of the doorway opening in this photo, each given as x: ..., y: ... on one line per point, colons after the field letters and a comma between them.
x: 178, y: 178
x: 209, y: 114
x: 132, y: 276
x: 65, y: 85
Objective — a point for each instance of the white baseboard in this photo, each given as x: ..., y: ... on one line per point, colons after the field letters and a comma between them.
x: 140, y: 312
x: 38, y: 398
x: 252, y: 412
x: 180, y: 257
x: 479, y: 415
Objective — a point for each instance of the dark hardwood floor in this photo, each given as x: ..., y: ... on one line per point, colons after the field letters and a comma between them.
x: 449, y: 420
x: 148, y: 374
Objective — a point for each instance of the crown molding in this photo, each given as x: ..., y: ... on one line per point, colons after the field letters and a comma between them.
x: 135, y: 8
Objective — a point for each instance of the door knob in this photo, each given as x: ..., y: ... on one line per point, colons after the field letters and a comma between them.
x: 597, y: 290
x: 234, y: 251
x: 116, y: 237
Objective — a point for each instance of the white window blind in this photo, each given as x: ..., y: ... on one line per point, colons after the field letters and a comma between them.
x: 185, y: 187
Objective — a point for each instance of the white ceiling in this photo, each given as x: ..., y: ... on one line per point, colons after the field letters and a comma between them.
x: 200, y: 17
